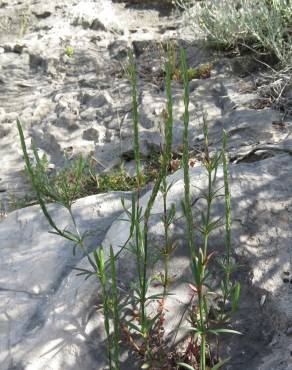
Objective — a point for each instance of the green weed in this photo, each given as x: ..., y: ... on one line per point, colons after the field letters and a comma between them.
x: 144, y: 331
x: 69, y: 51
x: 201, y: 72
x: 261, y: 26
x: 78, y: 179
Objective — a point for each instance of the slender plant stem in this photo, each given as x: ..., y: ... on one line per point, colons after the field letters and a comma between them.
x: 227, y: 210
x: 140, y: 249
x: 197, y: 261
x: 116, y: 317
x: 167, y: 218
x: 133, y: 80
x: 209, y: 201
x: 166, y: 238
x: 203, y: 352
x: 163, y: 171
x: 105, y: 299
x: 187, y: 198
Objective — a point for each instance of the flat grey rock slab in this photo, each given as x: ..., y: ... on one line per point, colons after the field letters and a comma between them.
x: 36, y: 265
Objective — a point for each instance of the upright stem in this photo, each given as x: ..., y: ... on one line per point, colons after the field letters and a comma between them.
x: 203, y: 271
x: 166, y: 241
x: 203, y: 352
x: 102, y: 278
x: 197, y: 261
x: 133, y: 80
x: 116, y: 317
x: 209, y: 201
x: 80, y: 240
x: 140, y: 248
x: 161, y: 176
x: 187, y: 200
x: 227, y: 210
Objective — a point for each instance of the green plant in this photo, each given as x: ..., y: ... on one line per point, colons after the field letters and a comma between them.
x: 203, y: 71
x: 3, y: 212
x: 185, y: 160
x: 77, y: 179
x: 144, y: 330
x: 109, y: 297
x: 140, y: 246
x: 230, y: 291
x: 200, y: 256
x: 65, y: 195
x: 183, y: 4
x: 116, y: 180
x: 168, y: 216
x: 263, y: 26
x: 69, y: 51
x: 167, y: 219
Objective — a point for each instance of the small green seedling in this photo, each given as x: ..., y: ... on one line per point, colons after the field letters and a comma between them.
x: 69, y: 51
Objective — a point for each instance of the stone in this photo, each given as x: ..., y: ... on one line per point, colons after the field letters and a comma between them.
x: 29, y: 302
x: 69, y: 121
x: 244, y: 65
x: 149, y: 142
x: 91, y: 134
x: 42, y: 62
x: 13, y: 48
x: 97, y: 25
x: 2, y: 115
x: 43, y: 108
x: 118, y: 49
x: 95, y: 101
x: 143, y: 46
x: 43, y: 11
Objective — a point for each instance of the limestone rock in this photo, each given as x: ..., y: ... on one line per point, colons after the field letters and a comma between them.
x: 36, y: 267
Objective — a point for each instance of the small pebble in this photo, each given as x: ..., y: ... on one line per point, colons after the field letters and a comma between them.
x: 263, y: 300
x: 51, y: 166
x: 200, y: 137
x: 287, y: 273
x: 36, y: 289
x: 285, y: 280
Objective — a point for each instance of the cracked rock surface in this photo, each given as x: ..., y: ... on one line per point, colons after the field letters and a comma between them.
x: 81, y: 103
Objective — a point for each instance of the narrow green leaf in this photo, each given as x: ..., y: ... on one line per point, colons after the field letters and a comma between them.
x: 235, y: 296
x: 33, y: 180
x: 133, y: 326
x: 224, y: 331
x: 186, y: 366
x: 220, y: 364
